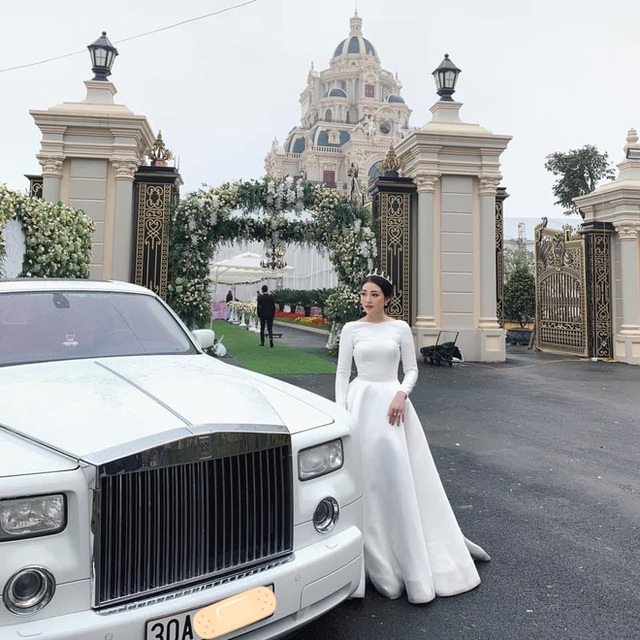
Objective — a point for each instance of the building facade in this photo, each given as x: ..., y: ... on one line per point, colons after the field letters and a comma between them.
x: 351, y: 113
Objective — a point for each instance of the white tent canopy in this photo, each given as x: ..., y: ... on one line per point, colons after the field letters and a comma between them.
x: 244, y: 269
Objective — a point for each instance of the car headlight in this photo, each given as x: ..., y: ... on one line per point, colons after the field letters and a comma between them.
x: 32, y: 516
x: 319, y: 460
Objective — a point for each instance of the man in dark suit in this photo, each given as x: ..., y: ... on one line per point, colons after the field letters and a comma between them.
x: 266, y: 313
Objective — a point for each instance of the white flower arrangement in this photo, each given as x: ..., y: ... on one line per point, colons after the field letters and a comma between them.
x: 58, y: 237
x: 266, y: 210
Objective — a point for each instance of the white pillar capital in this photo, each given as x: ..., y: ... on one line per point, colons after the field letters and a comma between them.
x: 426, y: 182
x: 628, y: 230
x: 489, y: 185
x: 51, y: 165
x: 125, y: 168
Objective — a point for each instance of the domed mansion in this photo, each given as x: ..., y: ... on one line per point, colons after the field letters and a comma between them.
x: 351, y: 113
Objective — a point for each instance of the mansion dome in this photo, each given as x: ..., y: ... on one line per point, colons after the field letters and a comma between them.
x: 355, y: 44
x: 351, y: 113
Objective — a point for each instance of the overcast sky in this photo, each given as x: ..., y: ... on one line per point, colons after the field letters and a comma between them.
x: 554, y: 74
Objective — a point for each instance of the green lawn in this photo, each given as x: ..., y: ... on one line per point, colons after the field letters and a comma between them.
x: 243, y: 346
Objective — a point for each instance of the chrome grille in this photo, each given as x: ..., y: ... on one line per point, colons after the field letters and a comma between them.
x: 162, y: 524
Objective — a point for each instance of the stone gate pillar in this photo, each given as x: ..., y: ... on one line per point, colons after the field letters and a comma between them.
x: 612, y: 222
x: 392, y: 198
x: 456, y: 166
x: 124, y: 172
x: 628, y: 338
x: 425, y: 311
x: 90, y: 151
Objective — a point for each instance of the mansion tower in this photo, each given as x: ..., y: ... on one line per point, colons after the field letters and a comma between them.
x: 351, y: 113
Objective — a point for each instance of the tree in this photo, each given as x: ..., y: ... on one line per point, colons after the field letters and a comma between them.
x: 516, y: 257
x: 580, y: 171
x: 520, y: 295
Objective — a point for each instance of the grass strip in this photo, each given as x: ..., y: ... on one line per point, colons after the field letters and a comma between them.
x: 243, y: 346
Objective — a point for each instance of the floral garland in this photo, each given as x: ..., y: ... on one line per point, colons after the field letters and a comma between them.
x: 57, y: 237
x: 266, y: 210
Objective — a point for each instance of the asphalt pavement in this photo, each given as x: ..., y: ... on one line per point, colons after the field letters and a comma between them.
x: 540, y: 458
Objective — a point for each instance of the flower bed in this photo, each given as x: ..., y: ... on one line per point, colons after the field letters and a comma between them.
x: 317, y: 322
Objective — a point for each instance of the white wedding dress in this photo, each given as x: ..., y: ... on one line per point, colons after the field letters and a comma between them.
x: 412, y: 540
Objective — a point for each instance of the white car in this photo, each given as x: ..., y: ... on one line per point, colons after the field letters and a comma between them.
x: 142, y: 480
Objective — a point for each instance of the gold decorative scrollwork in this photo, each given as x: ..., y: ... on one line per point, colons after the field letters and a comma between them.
x: 394, y: 210
x: 561, y: 296
x: 152, y: 243
x: 600, y: 303
x: 499, y: 247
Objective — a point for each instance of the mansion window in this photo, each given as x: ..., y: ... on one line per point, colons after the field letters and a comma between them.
x: 329, y: 178
x: 328, y: 115
x: 368, y: 91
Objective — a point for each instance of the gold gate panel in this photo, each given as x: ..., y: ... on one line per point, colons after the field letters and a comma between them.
x: 501, y: 196
x: 561, y: 296
x: 597, y: 237
x: 395, y: 249
x: 153, y: 205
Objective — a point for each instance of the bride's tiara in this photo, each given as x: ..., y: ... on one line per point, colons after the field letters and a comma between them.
x: 381, y: 274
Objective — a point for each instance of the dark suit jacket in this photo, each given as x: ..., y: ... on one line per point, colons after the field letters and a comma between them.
x: 266, y: 305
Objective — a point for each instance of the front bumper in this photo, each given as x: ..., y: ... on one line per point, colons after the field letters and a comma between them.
x: 318, y: 578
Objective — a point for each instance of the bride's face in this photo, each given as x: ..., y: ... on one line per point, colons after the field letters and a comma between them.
x: 372, y: 299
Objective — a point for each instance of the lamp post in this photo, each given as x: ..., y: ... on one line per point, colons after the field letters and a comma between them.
x: 103, y: 54
x: 446, y: 76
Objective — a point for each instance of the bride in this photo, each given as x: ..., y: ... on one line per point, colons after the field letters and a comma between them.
x: 412, y: 540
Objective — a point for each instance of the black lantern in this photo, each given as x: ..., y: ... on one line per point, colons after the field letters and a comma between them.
x: 446, y: 76
x: 103, y: 53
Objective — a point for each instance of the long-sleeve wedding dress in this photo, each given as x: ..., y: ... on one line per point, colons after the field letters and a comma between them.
x: 412, y: 540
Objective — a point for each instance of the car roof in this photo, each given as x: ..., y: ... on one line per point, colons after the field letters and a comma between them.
x: 56, y: 284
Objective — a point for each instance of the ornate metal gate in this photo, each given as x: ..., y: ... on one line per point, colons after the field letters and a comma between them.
x: 561, y: 292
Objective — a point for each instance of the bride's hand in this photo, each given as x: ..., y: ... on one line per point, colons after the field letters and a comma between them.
x: 397, y: 408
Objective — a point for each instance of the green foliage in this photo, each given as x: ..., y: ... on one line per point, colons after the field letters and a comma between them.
x: 520, y: 296
x: 302, y: 297
x: 514, y: 258
x: 580, y: 171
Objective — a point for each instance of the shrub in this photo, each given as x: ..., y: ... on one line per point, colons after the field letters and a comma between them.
x: 520, y: 295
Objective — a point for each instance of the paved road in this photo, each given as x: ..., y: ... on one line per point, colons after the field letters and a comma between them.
x: 541, y: 462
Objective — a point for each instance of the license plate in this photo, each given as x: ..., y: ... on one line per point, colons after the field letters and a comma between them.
x: 177, y: 627
x: 215, y: 620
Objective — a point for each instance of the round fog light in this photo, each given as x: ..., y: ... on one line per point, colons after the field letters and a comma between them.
x: 28, y: 591
x: 326, y: 515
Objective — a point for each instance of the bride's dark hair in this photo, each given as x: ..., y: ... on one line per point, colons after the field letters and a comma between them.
x: 383, y: 283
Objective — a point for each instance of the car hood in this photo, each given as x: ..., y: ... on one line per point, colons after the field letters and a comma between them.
x: 97, y: 406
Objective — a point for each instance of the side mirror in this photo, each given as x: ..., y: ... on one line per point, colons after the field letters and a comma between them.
x: 204, y: 337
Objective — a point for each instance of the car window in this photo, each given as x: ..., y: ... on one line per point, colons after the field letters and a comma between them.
x: 62, y: 325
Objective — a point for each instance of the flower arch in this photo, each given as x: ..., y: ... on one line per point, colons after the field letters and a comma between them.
x: 279, y: 211
x: 57, y: 237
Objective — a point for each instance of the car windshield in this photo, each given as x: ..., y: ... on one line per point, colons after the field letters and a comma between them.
x: 65, y: 325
